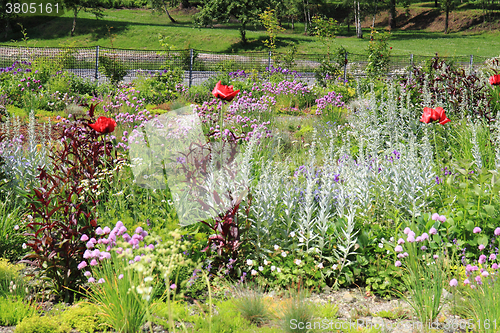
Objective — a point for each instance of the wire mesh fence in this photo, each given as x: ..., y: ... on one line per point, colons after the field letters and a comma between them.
x: 199, y: 65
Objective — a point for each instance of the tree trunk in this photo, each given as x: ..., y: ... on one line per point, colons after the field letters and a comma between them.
x: 392, y: 15
x: 243, y: 33
x: 374, y: 14
x: 358, y: 23
x: 168, y: 14
x: 75, y: 14
x: 305, y: 17
x: 293, y: 25
x: 436, y: 3
x: 446, y: 21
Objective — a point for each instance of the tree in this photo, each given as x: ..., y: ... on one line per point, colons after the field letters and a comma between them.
x: 93, y: 6
x: 6, y: 18
x: 162, y: 5
x: 447, y: 6
x: 245, y: 11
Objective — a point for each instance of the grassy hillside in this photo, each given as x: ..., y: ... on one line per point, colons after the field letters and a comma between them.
x: 139, y: 28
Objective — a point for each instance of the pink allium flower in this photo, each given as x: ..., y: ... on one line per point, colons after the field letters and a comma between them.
x: 435, y: 256
x: 453, y: 283
x: 84, y: 238
x: 442, y: 218
x: 476, y: 230
x: 137, y: 258
x: 401, y: 241
x: 120, y: 276
x: 101, y: 280
x: 433, y: 231
x: 173, y: 286
x: 466, y: 281
x: 478, y: 278
x: 481, y: 247
x: 482, y: 259
x: 93, y: 262
x: 82, y: 265
x: 494, y: 266
x: 106, y: 230
x: 410, y: 239
x: 139, y: 230
x: 87, y: 274
x: 407, y: 230
x: 397, y: 263
x: 435, y: 216
x: 406, y: 254
x: 90, y: 244
x: 497, y: 232
x: 418, y: 239
x: 424, y: 236
x: 87, y: 254
x: 485, y: 274
x: 99, y: 231
x: 423, y: 248
x: 398, y: 248
x: 468, y: 268
x: 91, y: 280
x: 401, y: 255
x: 151, y: 247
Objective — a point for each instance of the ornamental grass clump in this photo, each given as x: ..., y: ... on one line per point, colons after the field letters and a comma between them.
x: 126, y: 275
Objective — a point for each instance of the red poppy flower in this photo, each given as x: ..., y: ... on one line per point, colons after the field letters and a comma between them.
x: 495, y: 80
x: 104, y: 125
x: 224, y: 92
x: 437, y: 114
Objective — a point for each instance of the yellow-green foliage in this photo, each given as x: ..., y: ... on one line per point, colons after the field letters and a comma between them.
x: 8, y: 271
x: 13, y: 310
x: 45, y: 324
x: 305, y: 130
x: 83, y: 317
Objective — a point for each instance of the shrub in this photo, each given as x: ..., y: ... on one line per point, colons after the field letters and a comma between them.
x: 83, y: 317
x: 112, y: 68
x: 45, y: 324
x: 252, y: 305
x: 13, y: 310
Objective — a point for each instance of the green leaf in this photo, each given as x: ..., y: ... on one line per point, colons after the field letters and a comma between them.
x: 489, y: 209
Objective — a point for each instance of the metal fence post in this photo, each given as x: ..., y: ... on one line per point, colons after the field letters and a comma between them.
x: 471, y: 63
x: 411, y: 65
x: 190, y: 67
x: 345, y: 67
x: 269, y: 61
x: 97, y: 64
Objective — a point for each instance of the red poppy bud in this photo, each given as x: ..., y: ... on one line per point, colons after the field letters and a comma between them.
x: 495, y: 80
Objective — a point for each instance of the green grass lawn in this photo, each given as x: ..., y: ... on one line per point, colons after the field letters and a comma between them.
x: 139, y: 29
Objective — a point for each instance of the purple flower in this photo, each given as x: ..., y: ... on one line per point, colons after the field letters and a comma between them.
x: 101, y: 280
x: 481, y: 247
x: 493, y: 256
x: 84, y: 238
x: 173, y: 286
x: 419, y: 239
x: 453, y: 283
x: 93, y: 262
x: 99, y: 231
x: 137, y: 258
x: 120, y: 276
x: 478, y: 278
x: 435, y: 256
x: 398, y: 248
x: 407, y: 230
x: 435, y: 216
x: 397, y: 263
x: 497, y: 232
x: 494, y: 266
x: 106, y: 230
x: 423, y: 248
x: 87, y: 274
x: 433, y: 231
x: 82, y: 265
x: 410, y: 239
x: 424, y: 236
x: 401, y: 241
x: 476, y: 230
x: 466, y: 281
x: 442, y: 218
x: 91, y: 280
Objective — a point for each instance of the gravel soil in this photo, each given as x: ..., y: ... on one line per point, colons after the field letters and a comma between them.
x: 358, y: 310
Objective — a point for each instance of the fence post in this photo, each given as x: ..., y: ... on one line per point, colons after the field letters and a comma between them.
x: 190, y: 67
x: 411, y: 65
x: 345, y: 67
x: 471, y: 62
x: 269, y: 61
x: 97, y: 64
